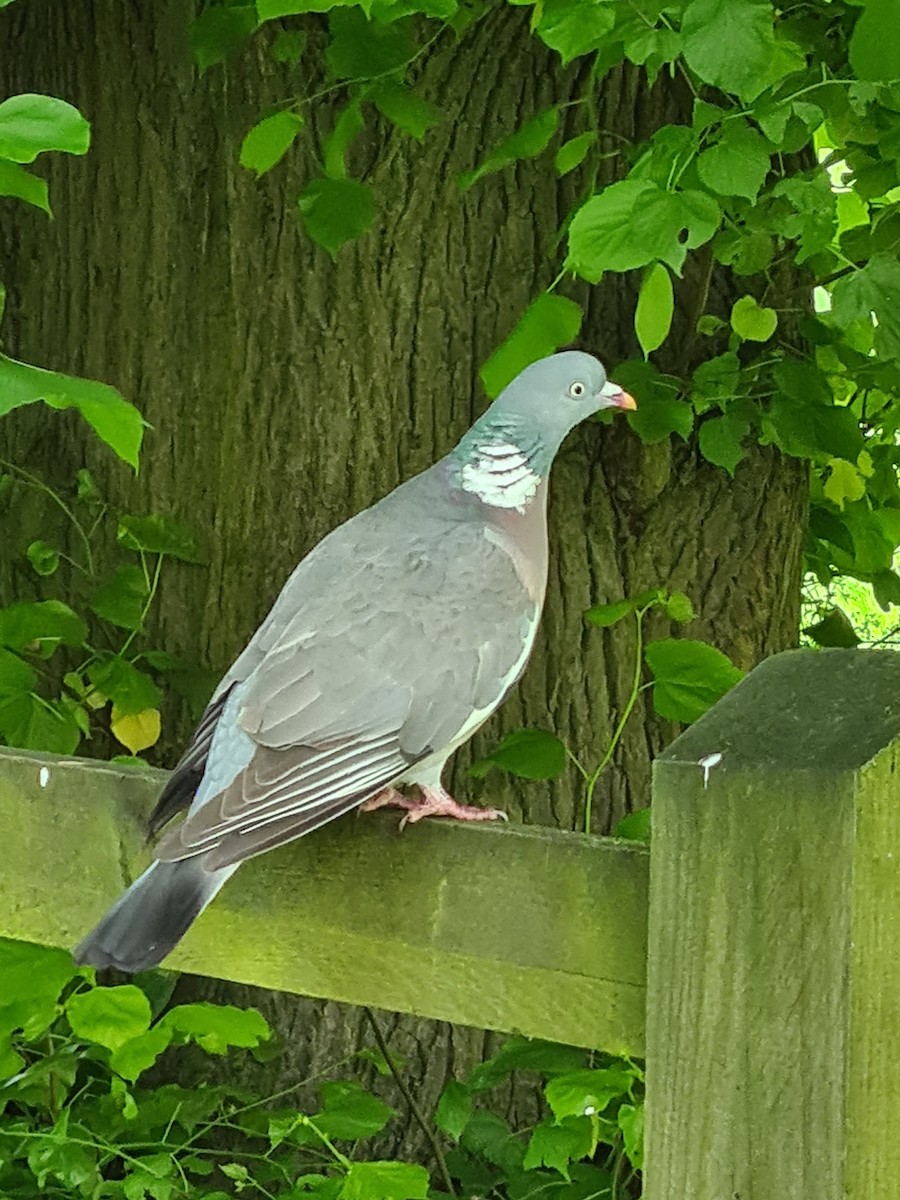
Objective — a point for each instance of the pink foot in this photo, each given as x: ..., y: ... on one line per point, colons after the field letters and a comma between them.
x: 434, y: 802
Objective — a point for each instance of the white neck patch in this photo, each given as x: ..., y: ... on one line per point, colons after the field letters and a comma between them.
x: 499, y: 474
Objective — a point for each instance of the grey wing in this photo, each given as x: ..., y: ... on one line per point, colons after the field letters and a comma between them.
x: 349, y: 694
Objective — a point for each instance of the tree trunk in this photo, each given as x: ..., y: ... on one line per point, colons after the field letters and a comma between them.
x: 286, y: 392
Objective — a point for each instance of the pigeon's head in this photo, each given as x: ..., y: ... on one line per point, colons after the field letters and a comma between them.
x: 555, y: 394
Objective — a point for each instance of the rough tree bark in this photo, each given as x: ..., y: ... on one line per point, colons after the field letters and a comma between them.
x: 286, y: 392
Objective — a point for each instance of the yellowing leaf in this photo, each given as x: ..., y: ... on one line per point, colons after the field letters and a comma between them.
x: 844, y: 482
x: 136, y: 731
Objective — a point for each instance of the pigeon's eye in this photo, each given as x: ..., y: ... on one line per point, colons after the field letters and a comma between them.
x: 577, y: 390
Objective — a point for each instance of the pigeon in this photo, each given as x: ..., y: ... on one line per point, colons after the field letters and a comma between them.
x: 394, y: 639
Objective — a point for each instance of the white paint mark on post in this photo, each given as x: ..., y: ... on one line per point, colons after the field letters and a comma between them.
x: 44, y: 776
x: 707, y: 763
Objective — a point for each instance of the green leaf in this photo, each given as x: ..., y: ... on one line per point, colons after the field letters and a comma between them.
x: 335, y: 211
x: 572, y: 153
x: 587, y: 1092
x: 549, y: 322
x: 556, y: 1145
x: 404, y: 108
x: 526, y: 753
x: 688, y: 677
x: 834, y: 629
x: 751, y: 321
x: 523, y: 1054
x: 218, y: 31
x: 40, y: 626
x: 630, y: 1119
x: 136, y: 1055
x: 635, y: 222
x: 721, y: 440
x: 875, y: 43
x: 349, y: 123
x: 16, y: 181
x: 109, y: 1016
x: 269, y: 140
x: 875, y: 288
x: 159, y: 535
x: 289, y: 45
x: 31, y: 124
x: 43, y: 558
x: 661, y: 411
x: 32, y: 723
x: 33, y: 973
x: 737, y: 165
x: 130, y: 690
x: 604, y: 615
x: 112, y: 418
x: 679, y: 608
x: 844, y: 482
x: 271, y: 10
x: 574, y: 27
x: 350, y: 1112
x: 216, y: 1027
x: 655, y: 306
x: 634, y: 827
x: 364, y: 49
x: 729, y: 43
x: 122, y: 599
x: 384, y: 1180
x: 454, y: 1109
x: 527, y: 142
x: 489, y: 1137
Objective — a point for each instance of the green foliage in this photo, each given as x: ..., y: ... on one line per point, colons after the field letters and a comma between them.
x: 64, y: 670
x: 78, y: 1117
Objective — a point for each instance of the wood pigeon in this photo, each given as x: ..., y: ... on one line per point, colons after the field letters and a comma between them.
x: 391, y: 643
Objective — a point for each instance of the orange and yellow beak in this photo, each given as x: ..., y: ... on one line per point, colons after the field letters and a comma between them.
x: 617, y: 397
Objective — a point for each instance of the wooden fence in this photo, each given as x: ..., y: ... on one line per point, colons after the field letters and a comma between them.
x: 753, y: 956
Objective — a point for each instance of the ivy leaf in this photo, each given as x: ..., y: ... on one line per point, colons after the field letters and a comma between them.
x: 526, y: 753
x: 454, y: 1109
x: 43, y: 558
x: 109, y: 1016
x: 335, y: 211
x: 121, y: 600
x: 751, y: 321
x: 737, y: 165
x: 875, y: 43
x: 549, y: 322
x: 729, y: 43
x: 159, y: 535
x: 31, y: 124
x: 16, y: 181
x: 216, y: 1027
x: 655, y: 306
x: 404, y: 108
x: 364, y: 49
x: 688, y: 677
x: 573, y: 27
x: 527, y: 142
x: 269, y: 140
x: 587, y: 1092
x: 112, y: 418
x: 130, y: 690
x: 556, y: 1145
x: 136, y: 731
x: 721, y: 440
x: 218, y: 31
x: 386, y: 1180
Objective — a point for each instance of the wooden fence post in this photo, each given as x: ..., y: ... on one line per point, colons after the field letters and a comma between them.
x: 773, y: 1015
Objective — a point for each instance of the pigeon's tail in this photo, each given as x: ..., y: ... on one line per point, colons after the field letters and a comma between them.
x: 153, y: 916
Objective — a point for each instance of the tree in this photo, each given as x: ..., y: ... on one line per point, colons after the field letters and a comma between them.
x: 654, y: 165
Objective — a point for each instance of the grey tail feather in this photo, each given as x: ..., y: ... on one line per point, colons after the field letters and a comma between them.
x: 152, y: 916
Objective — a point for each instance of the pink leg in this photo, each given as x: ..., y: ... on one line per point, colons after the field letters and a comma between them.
x: 434, y: 802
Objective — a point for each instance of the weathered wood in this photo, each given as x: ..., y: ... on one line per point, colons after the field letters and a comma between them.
x: 502, y: 927
x: 774, y: 970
